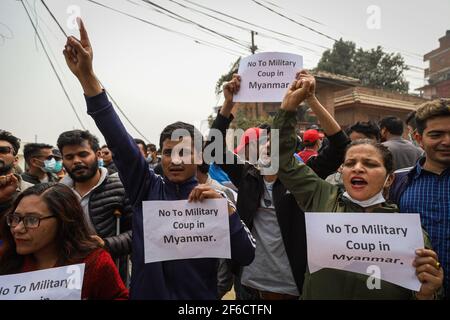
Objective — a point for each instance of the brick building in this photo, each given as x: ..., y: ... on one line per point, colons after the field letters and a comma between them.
x: 438, y: 73
x: 346, y: 100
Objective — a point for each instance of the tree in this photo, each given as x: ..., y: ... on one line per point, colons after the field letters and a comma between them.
x: 375, y: 68
x: 242, y: 122
x: 227, y: 76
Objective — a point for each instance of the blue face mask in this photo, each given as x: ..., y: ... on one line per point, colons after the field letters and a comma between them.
x: 58, y: 166
x: 49, y: 165
x: 100, y: 163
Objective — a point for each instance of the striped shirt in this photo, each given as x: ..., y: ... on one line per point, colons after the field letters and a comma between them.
x: 429, y: 194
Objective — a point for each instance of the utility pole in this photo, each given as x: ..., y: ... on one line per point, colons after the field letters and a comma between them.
x: 253, y: 48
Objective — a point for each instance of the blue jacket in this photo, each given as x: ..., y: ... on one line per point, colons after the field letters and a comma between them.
x: 175, y: 279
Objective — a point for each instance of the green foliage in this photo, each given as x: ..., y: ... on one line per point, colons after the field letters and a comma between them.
x: 242, y: 122
x: 375, y: 68
x: 227, y: 77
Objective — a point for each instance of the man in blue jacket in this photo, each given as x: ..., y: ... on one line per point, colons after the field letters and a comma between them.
x: 174, y: 279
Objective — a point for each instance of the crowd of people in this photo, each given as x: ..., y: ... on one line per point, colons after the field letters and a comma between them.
x: 83, y: 203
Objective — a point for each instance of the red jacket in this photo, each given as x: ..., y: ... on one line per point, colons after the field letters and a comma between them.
x: 101, y: 278
x: 306, y: 154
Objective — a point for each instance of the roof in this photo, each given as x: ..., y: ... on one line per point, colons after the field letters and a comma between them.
x: 338, y: 78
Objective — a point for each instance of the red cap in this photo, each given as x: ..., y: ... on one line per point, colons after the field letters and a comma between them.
x: 251, y: 134
x: 311, y: 136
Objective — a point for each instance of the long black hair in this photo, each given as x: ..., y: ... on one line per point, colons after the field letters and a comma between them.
x: 72, y: 238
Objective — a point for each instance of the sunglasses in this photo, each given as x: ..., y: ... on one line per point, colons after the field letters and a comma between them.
x: 5, y: 150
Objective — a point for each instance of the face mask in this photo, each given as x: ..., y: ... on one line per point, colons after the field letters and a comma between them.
x: 376, y: 199
x: 49, y: 165
x: 100, y: 163
x: 58, y: 166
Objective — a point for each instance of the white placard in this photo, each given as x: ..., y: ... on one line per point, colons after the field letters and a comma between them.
x: 62, y: 283
x: 181, y: 230
x: 358, y: 241
x: 265, y: 77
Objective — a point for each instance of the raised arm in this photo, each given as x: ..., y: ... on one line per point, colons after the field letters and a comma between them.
x: 331, y: 157
x: 222, y: 123
x: 311, y: 192
x: 133, y: 169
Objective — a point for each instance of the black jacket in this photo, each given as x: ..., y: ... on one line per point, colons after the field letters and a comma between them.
x: 104, y: 200
x: 291, y: 218
x: 26, y: 176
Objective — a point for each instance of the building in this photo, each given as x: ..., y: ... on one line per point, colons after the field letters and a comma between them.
x: 438, y: 72
x: 364, y: 104
x: 346, y: 100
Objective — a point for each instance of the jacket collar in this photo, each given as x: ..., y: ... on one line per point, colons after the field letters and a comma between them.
x: 183, y: 189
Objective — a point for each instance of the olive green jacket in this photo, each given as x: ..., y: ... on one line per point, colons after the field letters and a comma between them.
x: 316, y: 195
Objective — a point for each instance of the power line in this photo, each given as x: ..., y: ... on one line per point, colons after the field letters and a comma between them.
x: 53, y: 67
x: 229, y: 38
x: 240, y: 27
x: 254, y: 25
x: 110, y: 96
x: 197, y: 40
x: 405, y: 53
x: 304, y: 17
x: 296, y: 22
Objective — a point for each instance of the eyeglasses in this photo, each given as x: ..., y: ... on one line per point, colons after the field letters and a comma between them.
x: 5, y: 150
x: 13, y: 220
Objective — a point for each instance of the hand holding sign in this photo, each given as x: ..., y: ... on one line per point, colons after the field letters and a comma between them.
x: 204, y: 191
x: 231, y: 88
x: 201, y: 192
x: 266, y: 76
x: 429, y: 272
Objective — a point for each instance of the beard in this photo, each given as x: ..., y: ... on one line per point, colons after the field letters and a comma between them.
x: 5, y: 168
x: 90, y: 172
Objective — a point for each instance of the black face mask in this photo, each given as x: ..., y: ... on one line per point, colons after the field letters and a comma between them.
x: 5, y: 168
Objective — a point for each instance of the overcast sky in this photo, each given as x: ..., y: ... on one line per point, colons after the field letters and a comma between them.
x: 159, y: 77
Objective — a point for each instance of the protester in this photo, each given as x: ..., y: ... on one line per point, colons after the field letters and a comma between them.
x: 102, y: 196
x: 360, y: 130
x: 276, y: 222
x: 173, y: 279
x: 364, y: 130
x: 142, y: 147
x: 412, y: 127
x: 59, y: 168
x: 152, y: 159
x: 108, y: 162
x: 41, y: 163
x: 367, y: 170
x: 425, y: 188
x: 404, y: 153
x: 45, y: 229
x: 311, y: 144
x: 11, y: 184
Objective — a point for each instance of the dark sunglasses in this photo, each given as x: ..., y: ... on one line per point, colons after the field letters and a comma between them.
x: 5, y: 150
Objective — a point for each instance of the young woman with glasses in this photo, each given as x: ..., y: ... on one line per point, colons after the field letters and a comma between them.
x: 46, y: 229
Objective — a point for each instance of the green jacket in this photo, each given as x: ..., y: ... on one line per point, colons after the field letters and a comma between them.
x: 316, y: 195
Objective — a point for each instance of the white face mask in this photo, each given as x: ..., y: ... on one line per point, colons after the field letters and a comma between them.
x: 376, y: 199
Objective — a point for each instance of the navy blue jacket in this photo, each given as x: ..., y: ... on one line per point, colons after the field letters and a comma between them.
x: 175, y: 279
